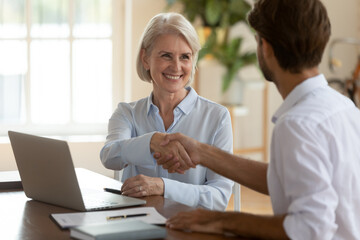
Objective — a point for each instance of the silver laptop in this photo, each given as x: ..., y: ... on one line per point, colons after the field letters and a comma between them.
x: 47, y: 173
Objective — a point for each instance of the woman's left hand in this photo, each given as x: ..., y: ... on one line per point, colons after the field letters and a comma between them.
x: 141, y: 186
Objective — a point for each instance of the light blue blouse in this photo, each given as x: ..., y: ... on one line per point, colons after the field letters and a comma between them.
x: 128, y: 147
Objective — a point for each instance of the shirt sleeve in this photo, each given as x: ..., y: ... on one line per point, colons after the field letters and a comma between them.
x: 304, y: 170
x: 214, y: 194
x: 121, y: 148
x: 216, y: 191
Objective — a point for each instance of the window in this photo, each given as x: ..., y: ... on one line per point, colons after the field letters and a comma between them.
x: 56, y: 59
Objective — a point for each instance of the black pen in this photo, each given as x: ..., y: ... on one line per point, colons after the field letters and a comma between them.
x: 112, y: 190
x: 126, y: 216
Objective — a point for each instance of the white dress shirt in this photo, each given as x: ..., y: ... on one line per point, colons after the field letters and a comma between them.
x: 128, y: 147
x: 314, y: 173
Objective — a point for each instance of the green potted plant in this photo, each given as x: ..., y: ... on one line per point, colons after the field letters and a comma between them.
x: 218, y: 16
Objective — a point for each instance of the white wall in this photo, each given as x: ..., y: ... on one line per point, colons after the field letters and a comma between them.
x: 344, y: 16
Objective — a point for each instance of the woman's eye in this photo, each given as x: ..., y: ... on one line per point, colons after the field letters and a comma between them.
x: 185, y: 57
x: 166, y: 55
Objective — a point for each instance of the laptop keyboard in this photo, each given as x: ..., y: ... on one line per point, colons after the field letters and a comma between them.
x: 91, y: 202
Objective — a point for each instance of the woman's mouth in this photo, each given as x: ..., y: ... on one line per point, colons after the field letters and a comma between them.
x: 173, y: 77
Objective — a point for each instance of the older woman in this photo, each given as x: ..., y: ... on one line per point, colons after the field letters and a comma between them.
x: 167, y: 58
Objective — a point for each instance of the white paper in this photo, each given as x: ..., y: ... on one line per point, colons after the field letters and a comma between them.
x: 66, y: 220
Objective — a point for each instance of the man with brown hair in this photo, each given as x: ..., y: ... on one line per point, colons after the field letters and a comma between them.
x: 313, y: 176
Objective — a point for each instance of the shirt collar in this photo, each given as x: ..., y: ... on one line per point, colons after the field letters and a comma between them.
x: 186, y: 105
x: 297, y: 93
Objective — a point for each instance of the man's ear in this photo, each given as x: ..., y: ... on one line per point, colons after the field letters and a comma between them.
x: 144, y: 59
x: 267, y: 49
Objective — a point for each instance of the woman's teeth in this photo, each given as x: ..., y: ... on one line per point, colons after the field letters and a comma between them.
x: 172, y: 77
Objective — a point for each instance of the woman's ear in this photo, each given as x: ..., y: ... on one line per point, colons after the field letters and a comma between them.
x: 144, y: 59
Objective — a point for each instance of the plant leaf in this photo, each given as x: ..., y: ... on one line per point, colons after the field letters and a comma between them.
x: 209, y: 45
x: 239, y: 10
x: 240, y: 7
x: 225, y: 20
x: 231, y: 73
x: 249, y: 58
x: 233, y: 48
x: 240, y: 62
x: 213, y: 12
x: 227, y: 79
x: 171, y: 2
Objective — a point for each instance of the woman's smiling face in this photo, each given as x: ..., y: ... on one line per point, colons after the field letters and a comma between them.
x: 170, y: 63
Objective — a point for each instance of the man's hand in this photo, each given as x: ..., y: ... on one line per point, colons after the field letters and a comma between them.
x: 173, y: 156
x: 190, y: 145
x: 199, y: 220
x: 141, y: 186
x: 244, y: 224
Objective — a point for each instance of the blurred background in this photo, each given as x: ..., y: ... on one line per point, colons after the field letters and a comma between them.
x: 65, y: 64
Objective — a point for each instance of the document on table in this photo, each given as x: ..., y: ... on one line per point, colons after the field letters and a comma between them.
x: 146, y: 214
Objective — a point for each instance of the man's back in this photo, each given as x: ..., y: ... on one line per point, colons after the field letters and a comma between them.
x: 316, y: 160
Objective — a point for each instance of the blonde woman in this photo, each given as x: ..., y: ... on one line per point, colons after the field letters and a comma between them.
x: 166, y: 59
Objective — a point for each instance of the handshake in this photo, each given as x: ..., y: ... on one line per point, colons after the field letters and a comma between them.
x: 175, y: 152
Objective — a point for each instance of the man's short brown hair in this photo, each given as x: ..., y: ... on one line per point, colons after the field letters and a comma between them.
x: 298, y: 30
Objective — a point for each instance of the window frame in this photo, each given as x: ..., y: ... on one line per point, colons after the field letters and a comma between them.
x: 72, y: 128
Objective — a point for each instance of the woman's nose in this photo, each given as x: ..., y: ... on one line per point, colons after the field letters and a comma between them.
x: 176, y: 64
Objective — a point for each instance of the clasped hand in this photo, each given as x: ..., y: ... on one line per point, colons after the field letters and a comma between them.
x: 170, y: 152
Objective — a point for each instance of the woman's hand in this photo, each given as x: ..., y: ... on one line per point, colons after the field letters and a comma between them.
x: 188, y: 146
x: 174, y: 156
x: 141, y: 186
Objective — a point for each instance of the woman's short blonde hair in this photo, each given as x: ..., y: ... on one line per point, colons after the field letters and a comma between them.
x: 167, y: 23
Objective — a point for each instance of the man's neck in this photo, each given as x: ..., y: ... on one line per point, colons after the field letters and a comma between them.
x: 286, y: 81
